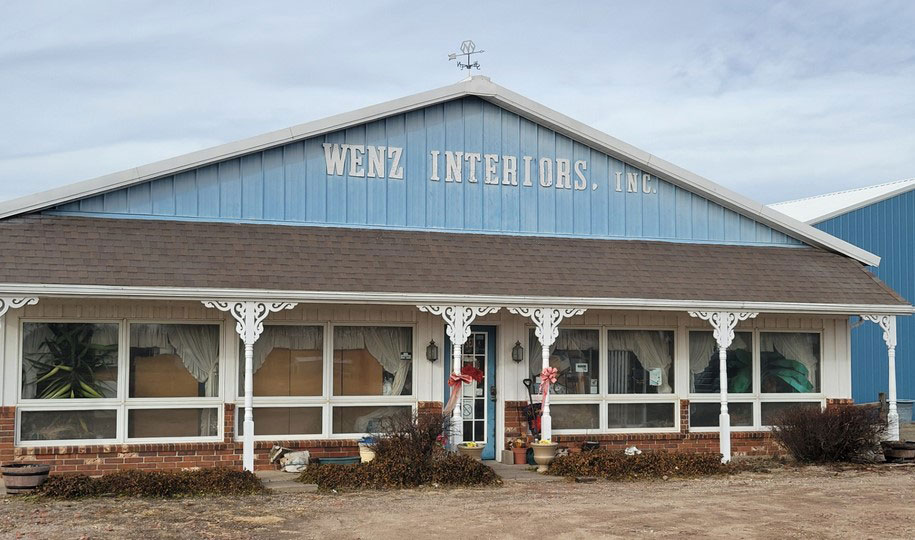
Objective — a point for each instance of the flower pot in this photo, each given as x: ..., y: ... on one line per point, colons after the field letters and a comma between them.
x: 21, y: 478
x: 520, y: 455
x: 544, y: 454
x: 476, y: 452
x: 366, y: 453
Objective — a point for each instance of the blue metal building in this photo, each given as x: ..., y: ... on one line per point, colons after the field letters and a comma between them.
x: 880, y: 219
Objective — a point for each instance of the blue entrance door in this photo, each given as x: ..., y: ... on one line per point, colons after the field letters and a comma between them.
x: 478, y: 402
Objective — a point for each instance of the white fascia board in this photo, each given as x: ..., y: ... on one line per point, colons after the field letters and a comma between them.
x: 388, y: 298
x: 861, y: 204
x: 476, y: 86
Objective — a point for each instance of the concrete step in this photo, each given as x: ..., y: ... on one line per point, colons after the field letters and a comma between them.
x: 283, y: 482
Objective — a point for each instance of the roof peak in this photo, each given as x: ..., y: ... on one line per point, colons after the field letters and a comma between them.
x: 819, y: 208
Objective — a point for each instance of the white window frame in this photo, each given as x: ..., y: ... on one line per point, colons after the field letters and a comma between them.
x: 327, y: 400
x: 757, y: 397
x: 603, y: 397
x: 122, y: 403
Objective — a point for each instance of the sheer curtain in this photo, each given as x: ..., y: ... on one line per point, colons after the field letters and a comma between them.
x: 302, y: 338
x: 653, y: 349
x: 803, y: 347
x: 569, y: 339
x: 385, y: 344
x: 197, y: 346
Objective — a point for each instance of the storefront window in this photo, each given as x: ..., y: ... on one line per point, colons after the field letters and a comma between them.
x: 640, y: 362
x: 37, y: 426
x: 373, y: 361
x: 364, y: 419
x: 771, y: 409
x: 169, y: 423
x: 705, y: 369
x: 281, y: 421
x: 789, y: 362
x: 576, y: 354
x: 575, y: 416
x: 174, y: 360
x: 288, y: 361
x: 69, y: 360
x: 707, y: 414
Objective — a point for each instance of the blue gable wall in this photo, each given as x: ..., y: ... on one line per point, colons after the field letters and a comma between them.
x: 886, y: 228
x: 291, y: 184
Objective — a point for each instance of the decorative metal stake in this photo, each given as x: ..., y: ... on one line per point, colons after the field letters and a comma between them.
x: 468, y: 47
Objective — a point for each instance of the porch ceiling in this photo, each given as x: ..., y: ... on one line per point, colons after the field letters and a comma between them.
x: 58, y: 250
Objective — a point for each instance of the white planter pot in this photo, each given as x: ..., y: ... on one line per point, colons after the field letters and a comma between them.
x: 544, y: 454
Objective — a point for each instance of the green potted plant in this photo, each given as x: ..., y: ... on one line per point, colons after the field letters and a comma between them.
x: 71, y: 365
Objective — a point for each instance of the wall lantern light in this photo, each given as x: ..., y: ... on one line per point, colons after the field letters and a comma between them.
x: 432, y: 351
x: 517, y: 352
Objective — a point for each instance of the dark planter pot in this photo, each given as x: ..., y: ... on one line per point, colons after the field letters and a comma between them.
x: 24, y: 478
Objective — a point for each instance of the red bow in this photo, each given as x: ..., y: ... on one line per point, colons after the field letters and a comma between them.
x: 457, y: 379
x: 548, y: 376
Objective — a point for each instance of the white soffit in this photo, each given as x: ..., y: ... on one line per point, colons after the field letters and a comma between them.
x: 475, y: 86
x: 819, y: 208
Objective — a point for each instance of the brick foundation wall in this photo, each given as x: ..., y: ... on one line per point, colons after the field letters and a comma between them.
x: 99, y: 459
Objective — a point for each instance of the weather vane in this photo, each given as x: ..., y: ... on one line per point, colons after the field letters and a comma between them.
x: 467, y: 48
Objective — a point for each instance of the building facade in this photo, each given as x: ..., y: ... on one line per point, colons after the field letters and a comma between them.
x: 878, y: 219
x: 300, y: 287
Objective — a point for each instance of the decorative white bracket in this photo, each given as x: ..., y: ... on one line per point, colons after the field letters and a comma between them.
x: 249, y: 316
x: 723, y: 324
x: 888, y: 324
x: 7, y: 303
x: 457, y: 325
x: 546, y: 327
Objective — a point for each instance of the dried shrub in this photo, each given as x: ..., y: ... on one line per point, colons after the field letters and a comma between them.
x: 408, y: 454
x: 135, y: 483
x: 616, y: 465
x: 836, y: 434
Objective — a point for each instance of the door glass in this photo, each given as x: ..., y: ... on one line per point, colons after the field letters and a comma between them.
x: 476, y: 393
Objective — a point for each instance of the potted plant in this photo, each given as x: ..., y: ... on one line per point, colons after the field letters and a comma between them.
x: 544, y: 453
x: 472, y: 449
x: 896, y: 451
x: 72, y: 364
x: 519, y: 452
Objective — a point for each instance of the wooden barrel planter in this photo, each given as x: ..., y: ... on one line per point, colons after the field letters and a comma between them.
x: 24, y: 478
x: 899, y: 452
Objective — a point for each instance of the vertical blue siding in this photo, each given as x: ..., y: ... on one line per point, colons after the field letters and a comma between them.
x: 886, y: 228
x: 291, y: 184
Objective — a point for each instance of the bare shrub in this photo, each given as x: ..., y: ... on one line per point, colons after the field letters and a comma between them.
x: 837, y: 434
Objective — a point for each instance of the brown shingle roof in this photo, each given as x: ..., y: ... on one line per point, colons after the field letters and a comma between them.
x: 46, y: 249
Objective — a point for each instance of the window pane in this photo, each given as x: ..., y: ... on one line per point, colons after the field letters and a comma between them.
x: 163, y: 423
x: 704, y: 367
x: 282, y: 421
x: 575, y: 416
x: 373, y: 361
x: 640, y: 415
x: 706, y: 414
x: 288, y: 361
x: 576, y: 354
x: 69, y: 360
x: 789, y: 362
x: 68, y: 425
x: 174, y: 360
x: 366, y: 419
x: 640, y: 362
x: 770, y: 410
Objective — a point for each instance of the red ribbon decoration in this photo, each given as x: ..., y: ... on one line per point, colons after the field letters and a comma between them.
x: 548, y: 376
x: 467, y: 375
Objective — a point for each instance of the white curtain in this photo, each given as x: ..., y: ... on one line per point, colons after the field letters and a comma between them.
x: 385, y: 344
x: 34, y: 337
x: 703, y: 351
x: 196, y: 345
x: 803, y: 347
x: 569, y: 339
x: 652, y: 348
x: 302, y: 338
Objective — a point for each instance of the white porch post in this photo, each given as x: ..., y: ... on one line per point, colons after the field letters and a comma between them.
x: 546, y: 327
x: 723, y: 323
x: 457, y: 325
x: 888, y: 324
x: 249, y: 316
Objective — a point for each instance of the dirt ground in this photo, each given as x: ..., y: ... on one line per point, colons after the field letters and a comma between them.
x: 812, y: 502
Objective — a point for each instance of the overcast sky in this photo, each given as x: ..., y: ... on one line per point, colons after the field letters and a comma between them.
x: 775, y: 100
